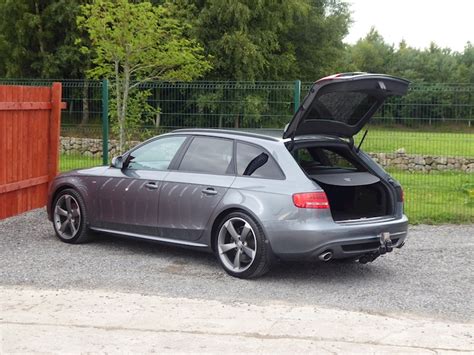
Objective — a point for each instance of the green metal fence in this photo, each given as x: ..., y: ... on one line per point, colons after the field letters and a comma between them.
x: 426, y: 139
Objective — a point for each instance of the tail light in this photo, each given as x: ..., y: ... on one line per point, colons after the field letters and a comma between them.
x: 317, y: 200
x: 400, y: 194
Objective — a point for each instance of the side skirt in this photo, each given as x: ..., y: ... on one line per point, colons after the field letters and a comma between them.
x: 150, y: 237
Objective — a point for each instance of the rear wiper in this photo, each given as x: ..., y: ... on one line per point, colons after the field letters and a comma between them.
x: 362, y: 141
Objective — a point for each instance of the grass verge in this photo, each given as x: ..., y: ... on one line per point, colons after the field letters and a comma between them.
x: 435, y: 198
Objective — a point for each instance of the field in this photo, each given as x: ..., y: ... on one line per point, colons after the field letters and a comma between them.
x: 445, y: 197
x: 69, y: 162
x: 429, y: 143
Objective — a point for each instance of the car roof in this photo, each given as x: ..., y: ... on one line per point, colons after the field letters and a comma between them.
x: 236, y: 134
x: 270, y: 135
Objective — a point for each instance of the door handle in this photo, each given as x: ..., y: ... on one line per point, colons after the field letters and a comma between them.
x: 209, y: 191
x: 151, y: 185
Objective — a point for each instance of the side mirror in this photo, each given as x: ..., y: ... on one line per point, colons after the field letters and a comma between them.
x: 117, y: 162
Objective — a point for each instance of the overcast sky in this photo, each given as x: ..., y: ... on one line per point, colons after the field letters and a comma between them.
x: 448, y: 23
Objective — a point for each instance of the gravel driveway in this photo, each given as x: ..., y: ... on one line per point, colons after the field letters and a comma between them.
x: 433, y: 275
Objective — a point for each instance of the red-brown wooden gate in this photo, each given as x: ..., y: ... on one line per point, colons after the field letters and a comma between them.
x: 29, y: 145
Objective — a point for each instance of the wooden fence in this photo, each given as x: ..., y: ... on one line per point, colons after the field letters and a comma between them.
x: 29, y: 145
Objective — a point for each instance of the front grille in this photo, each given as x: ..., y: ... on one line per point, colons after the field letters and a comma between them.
x: 364, y: 246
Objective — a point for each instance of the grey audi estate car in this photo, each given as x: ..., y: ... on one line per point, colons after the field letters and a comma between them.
x: 249, y: 198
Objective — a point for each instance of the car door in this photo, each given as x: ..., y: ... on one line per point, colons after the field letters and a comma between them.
x: 193, y: 189
x: 129, y: 197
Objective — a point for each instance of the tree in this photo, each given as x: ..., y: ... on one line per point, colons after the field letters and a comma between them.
x: 259, y: 40
x: 264, y: 40
x: 244, y: 37
x: 371, y: 54
x: 406, y: 63
x: 133, y: 43
x: 465, y: 70
x: 37, y: 39
x: 317, y: 39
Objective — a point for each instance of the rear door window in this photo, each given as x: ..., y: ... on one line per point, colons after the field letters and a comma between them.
x: 208, y: 155
x: 256, y: 162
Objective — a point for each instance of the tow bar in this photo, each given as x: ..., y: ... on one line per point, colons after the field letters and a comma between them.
x: 385, y: 243
x: 385, y: 247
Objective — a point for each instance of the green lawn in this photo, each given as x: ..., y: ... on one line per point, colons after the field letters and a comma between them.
x: 444, y: 197
x: 430, y: 143
x: 69, y: 162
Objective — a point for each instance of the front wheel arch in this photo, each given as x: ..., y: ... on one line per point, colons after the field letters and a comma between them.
x: 55, y: 194
x: 61, y: 188
x: 82, y: 234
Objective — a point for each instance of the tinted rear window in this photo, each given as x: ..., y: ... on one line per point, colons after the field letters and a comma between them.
x: 256, y: 162
x: 347, y: 107
x: 208, y: 155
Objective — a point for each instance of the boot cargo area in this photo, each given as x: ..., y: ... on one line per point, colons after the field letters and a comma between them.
x: 355, y: 202
x: 353, y: 192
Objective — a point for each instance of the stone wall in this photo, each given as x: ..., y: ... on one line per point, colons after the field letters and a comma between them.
x: 91, y: 147
x: 424, y: 163
x: 399, y: 159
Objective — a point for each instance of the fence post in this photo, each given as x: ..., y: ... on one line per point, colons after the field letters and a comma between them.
x: 296, y: 95
x: 105, y: 122
x: 55, y: 130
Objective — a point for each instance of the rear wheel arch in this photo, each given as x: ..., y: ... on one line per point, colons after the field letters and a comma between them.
x: 250, y: 260
x: 223, y: 214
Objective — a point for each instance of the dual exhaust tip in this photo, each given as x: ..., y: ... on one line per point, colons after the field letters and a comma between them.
x: 325, y: 256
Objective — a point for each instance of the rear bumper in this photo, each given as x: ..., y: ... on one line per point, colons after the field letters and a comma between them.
x: 306, y: 241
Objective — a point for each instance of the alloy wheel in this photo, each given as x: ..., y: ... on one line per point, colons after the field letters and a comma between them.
x: 67, y: 216
x: 237, y: 245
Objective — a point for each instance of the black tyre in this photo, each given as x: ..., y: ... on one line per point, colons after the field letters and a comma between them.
x: 241, y: 247
x: 70, y: 217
